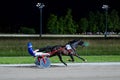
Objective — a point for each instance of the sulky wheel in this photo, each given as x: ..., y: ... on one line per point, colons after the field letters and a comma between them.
x: 43, y: 62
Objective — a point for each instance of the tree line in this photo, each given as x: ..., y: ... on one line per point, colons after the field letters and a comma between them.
x: 95, y: 22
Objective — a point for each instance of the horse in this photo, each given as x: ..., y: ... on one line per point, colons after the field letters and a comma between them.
x: 60, y: 50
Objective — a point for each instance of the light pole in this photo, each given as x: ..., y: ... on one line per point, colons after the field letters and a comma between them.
x: 106, y: 13
x: 40, y: 6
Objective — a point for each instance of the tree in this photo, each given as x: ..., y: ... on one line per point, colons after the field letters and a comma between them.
x: 83, y: 23
x: 100, y: 22
x: 52, y: 24
x: 96, y: 22
x: 92, y: 21
x: 114, y: 21
x: 62, y: 25
x: 70, y: 26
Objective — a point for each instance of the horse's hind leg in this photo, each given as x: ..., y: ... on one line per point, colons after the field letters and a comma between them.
x: 72, y: 59
x: 60, y: 57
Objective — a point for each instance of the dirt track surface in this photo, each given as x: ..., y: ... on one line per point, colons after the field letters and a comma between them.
x: 58, y: 72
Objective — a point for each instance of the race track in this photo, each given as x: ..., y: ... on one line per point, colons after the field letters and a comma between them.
x: 74, y: 71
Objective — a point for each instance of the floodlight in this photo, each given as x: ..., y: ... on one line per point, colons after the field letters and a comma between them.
x: 105, y: 7
x: 40, y: 5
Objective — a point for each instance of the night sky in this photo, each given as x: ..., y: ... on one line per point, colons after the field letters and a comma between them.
x: 24, y: 12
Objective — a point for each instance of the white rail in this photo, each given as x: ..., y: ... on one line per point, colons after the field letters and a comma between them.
x: 49, y: 35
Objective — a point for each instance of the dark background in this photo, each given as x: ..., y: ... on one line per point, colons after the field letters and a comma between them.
x: 17, y: 13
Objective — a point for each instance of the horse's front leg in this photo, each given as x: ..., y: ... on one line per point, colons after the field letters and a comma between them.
x: 60, y: 57
x: 80, y: 58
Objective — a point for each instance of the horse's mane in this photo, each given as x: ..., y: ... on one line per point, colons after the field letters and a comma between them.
x: 72, y: 41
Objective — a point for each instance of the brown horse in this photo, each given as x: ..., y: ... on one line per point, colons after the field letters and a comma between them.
x: 62, y: 50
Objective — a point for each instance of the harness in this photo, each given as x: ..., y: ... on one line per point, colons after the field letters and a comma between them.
x: 71, y: 45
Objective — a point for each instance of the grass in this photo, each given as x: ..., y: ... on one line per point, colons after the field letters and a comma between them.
x: 18, y: 46
x: 16, y: 60
x: 27, y: 60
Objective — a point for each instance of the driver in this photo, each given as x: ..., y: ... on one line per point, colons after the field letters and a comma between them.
x: 35, y: 52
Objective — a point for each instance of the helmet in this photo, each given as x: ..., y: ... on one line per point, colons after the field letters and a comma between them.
x: 29, y: 45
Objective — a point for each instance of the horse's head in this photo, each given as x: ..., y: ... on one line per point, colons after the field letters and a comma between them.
x: 83, y: 44
x: 79, y: 42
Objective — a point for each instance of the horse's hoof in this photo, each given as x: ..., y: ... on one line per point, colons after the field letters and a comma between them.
x: 65, y: 65
x: 70, y: 60
x: 85, y: 60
